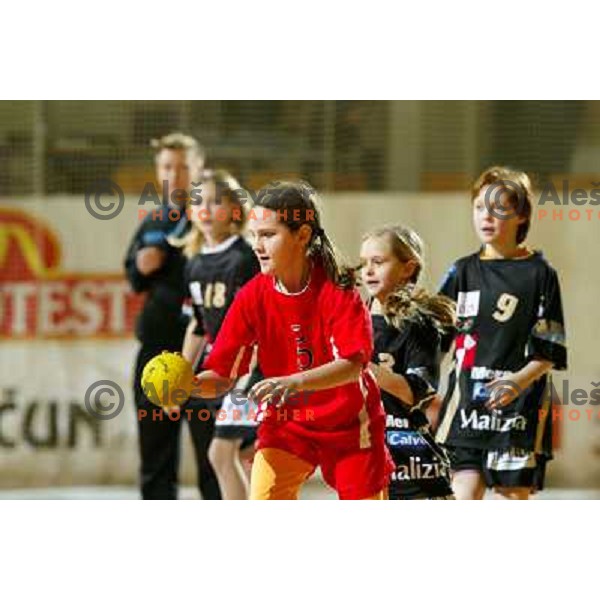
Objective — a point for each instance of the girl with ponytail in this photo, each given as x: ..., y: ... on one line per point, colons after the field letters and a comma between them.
x: 408, y: 323
x: 319, y: 405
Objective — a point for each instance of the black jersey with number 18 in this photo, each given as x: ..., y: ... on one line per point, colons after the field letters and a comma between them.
x: 508, y: 312
x: 213, y: 277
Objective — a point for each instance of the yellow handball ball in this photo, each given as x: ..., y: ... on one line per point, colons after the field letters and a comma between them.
x: 167, y: 380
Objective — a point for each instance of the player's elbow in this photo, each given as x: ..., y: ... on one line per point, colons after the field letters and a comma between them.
x: 355, y: 365
x: 227, y: 385
x: 358, y: 358
x: 543, y: 366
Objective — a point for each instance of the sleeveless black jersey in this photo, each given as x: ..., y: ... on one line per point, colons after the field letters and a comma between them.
x: 213, y: 278
x: 509, y: 312
x: 413, y: 352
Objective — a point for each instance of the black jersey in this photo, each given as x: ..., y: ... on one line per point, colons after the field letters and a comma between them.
x: 414, y: 352
x: 161, y: 321
x: 508, y: 312
x: 213, y: 278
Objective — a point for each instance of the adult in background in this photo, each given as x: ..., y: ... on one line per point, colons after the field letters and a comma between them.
x: 156, y: 267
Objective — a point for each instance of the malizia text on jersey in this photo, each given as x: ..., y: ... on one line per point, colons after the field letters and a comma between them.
x: 493, y: 422
x: 416, y: 469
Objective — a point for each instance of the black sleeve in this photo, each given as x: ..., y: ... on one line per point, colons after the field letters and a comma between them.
x: 199, y: 329
x: 423, y: 361
x: 197, y: 311
x: 149, y: 234
x: 449, y: 285
x: 449, y: 288
x: 194, y: 296
x: 138, y: 282
x: 547, y: 338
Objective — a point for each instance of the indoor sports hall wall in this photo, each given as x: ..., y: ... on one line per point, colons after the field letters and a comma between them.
x: 571, y: 243
x: 66, y: 316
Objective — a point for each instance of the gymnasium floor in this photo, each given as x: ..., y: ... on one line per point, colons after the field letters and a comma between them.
x: 313, y: 490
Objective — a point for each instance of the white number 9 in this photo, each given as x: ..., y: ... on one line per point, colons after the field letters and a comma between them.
x: 506, y: 305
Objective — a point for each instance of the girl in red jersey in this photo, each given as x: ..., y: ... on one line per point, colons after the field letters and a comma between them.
x: 321, y: 405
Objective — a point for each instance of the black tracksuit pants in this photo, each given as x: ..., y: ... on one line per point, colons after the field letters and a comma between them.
x: 159, y: 440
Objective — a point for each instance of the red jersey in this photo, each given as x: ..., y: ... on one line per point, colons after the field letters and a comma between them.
x: 297, y: 332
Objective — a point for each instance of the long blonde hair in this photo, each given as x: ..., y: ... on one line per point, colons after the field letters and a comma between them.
x: 409, y: 301
x: 226, y: 185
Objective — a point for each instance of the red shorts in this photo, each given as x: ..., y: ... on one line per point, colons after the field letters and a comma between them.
x: 355, y: 472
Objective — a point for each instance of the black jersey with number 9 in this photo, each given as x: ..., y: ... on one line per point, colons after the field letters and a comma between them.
x: 508, y: 312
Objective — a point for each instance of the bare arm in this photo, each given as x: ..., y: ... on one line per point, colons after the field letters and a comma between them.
x: 503, y: 393
x: 432, y: 411
x: 335, y: 373
x: 193, y: 344
x: 532, y: 371
x: 393, y: 383
x: 210, y: 385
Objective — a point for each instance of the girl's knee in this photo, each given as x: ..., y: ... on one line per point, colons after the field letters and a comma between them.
x: 508, y: 493
x: 468, y: 485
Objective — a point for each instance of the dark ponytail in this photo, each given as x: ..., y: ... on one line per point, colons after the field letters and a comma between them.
x: 297, y: 203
